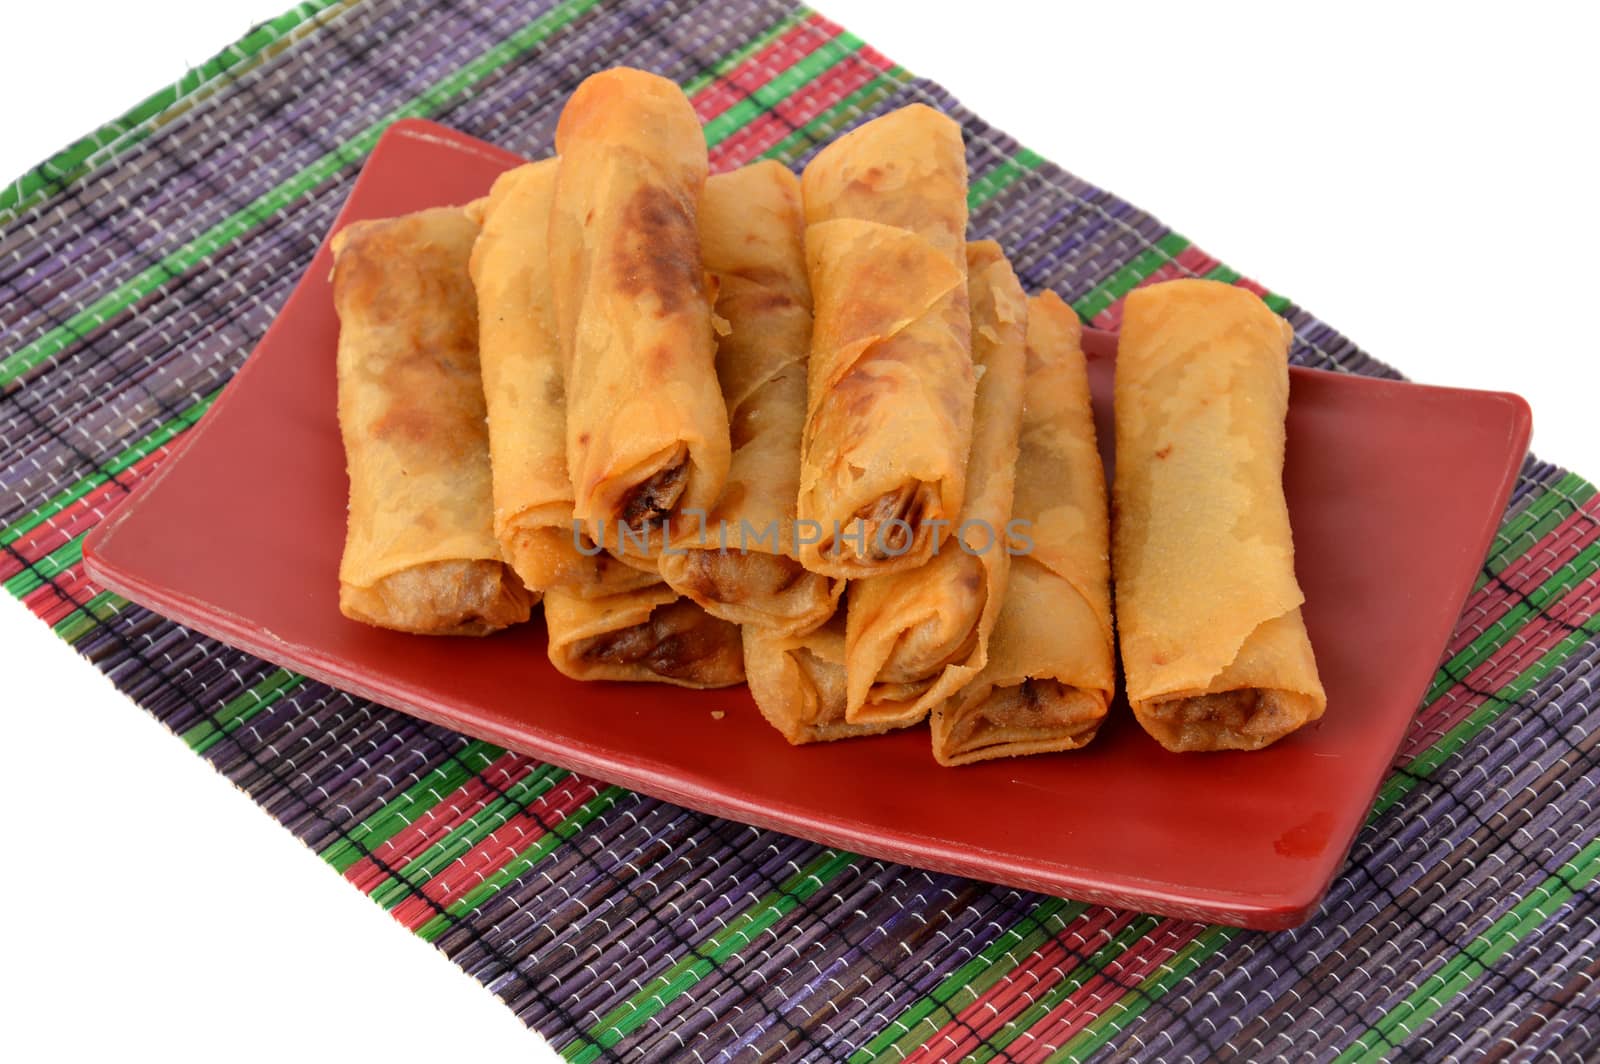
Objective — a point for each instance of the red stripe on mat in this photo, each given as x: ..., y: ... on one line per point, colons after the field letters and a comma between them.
x: 497, y: 850
x: 1108, y: 986
x: 451, y: 811
x: 1190, y: 262
x: 792, y: 46
x: 1032, y: 977
x: 833, y: 85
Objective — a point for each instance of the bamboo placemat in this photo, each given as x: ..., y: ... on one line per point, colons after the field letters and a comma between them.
x: 140, y: 266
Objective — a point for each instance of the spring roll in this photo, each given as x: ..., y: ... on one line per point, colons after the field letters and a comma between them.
x: 798, y: 683
x: 916, y: 637
x: 742, y: 566
x: 647, y: 431
x: 420, y: 553
x: 648, y: 634
x: 890, y: 382
x: 1050, y: 671
x: 1208, y: 609
x: 526, y: 396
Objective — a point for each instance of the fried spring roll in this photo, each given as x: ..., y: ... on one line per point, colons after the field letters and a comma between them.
x: 647, y: 634
x: 1050, y: 670
x: 798, y: 683
x: 525, y: 394
x: 647, y: 431
x: 742, y: 566
x: 890, y: 381
x: 1208, y: 609
x: 916, y: 637
x: 420, y: 553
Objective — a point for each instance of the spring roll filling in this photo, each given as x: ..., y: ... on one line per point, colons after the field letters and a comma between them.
x: 1034, y: 709
x: 890, y: 526
x: 731, y: 577
x: 679, y: 641
x: 465, y: 597
x: 1204, y: 721
x: 653, y: 499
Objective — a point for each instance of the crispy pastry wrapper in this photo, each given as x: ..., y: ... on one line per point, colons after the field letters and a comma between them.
x: 420, y: 553
x: 916, y: 637
x: 890, y: 385
x: 525, y: 393
x: 648, y: 634
x: 1050, y: 670
x: 742, y: 565
x: 1208, y: 609
x: 798, y: 682
x: 647, y: 430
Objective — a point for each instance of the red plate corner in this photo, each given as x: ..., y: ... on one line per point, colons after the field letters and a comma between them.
x: 1395, y: 491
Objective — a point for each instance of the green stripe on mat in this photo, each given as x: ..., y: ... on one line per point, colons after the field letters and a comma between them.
x: 966, y: 984
x: 47, y: 568
x: 412, y: 872
x: 1554, y: 505
x: 224, y: 232
x: 104, y: 471
x: 789, y: 149
x: 1165, y: 250
x: 242, y: 221
x: 1128, y: 277
x: 704, y: 958
x: 62, y: 168
x: 388, y: 820
x: 998, y: 179
x: 1525, y: 605
x: 241, y: 708
x: 89, y: 616
x: 1081, y: 973
x: 733, y: 59
x: 1428, y: 761
x: 763, y: 99
x: 1456, y: 975
x: 563, y: 830
x: 1129, y: 1006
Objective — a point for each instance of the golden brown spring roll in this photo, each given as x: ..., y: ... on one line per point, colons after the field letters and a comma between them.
x: 890, y: 382
x: 647, y: 634
x: 523, y: 387
x: 1050, y: 670
x: 742, y: 566
x: 420, y: 553
x: 1208, y: 608
x: 916, y: 637
x: 647, y: 431
x: 798, y: 683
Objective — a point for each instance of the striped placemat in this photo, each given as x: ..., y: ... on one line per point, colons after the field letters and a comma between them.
x: 140, y: 266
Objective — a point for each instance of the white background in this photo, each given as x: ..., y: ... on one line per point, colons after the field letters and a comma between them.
x: 1424, y: 182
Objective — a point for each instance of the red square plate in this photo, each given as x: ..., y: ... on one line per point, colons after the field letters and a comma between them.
x: 1395, y: 491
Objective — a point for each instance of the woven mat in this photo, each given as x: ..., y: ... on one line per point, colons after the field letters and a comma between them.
x: 138, y: 269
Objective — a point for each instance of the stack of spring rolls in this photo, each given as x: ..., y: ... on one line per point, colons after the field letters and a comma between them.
x: 801, y: 432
